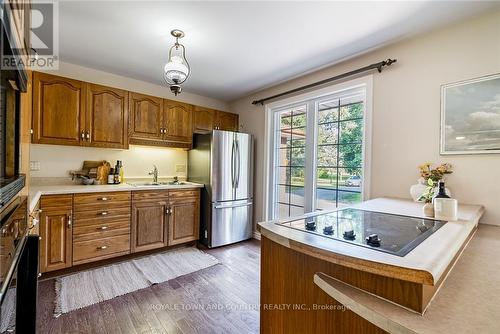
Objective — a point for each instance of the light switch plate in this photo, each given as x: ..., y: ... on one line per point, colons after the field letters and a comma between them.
x: 180, y: 168
x: 34, y: 165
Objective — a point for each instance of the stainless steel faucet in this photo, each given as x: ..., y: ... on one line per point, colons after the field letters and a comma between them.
x: 154, y: 172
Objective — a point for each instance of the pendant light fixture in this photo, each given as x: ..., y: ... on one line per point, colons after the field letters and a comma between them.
x: 176, y: 70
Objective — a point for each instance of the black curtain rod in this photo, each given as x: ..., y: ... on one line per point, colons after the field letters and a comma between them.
x: 377, y: 66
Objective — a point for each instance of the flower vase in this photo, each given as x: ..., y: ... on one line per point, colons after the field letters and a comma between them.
x: 428, y: 210
x: 418, y: 189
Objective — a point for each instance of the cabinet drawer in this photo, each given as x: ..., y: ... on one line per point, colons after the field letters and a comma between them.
x: 173, y: 194
x: 93, y: 250
x: 56, y: 201
x: 99, y: 198
x: 150, y: 195
x: 101, y: 230
x: 102, y: 213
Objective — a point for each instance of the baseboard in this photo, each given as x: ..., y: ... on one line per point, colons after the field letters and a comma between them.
x: 256, y: 235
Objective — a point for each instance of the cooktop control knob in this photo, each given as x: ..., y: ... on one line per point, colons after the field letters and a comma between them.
x: 349, y: 235
x: 311, y: 226
x: 328, y: 230
x: 373, y: 240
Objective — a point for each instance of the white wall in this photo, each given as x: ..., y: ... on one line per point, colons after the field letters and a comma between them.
x: 56, y: 161
x: 406, y: 111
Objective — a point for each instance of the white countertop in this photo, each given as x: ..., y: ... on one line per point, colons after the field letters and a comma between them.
x: 37, y: 190
x: 424, y: 264
x: 467, y: 302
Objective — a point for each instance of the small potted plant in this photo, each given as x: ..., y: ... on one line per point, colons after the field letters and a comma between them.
x: 427, y: 196
x: 428, y: 173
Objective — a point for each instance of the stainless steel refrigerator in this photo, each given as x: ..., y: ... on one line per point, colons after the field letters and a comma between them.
x: 223, y: 162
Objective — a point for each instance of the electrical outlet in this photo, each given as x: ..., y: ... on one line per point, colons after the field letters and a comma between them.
x: 34, y: 165
x: 180, y: 168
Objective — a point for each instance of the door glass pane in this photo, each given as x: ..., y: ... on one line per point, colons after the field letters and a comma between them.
x: 348, y: 198
x: 326, y: 199
x: 339, y: 151
x: 290, y: 148
x: 351, y: 111
x: 297, y: 196
x: 328, y: 133
x: 296, y: 211
x: 326, y: 177
x: 327, y: 156
x: 351, y: 179
x: 350, y: 155
x: 351, y: 132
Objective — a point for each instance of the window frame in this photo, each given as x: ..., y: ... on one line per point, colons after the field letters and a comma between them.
x: 311, y: 99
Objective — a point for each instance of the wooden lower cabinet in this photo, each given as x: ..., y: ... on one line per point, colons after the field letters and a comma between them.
x: 184, y: 220
x: 102, y: 226
x: 88, y: 227
x: 56, y: 233
x: 149, y: 225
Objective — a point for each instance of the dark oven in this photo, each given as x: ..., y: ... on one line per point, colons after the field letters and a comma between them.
x: 18, y: 270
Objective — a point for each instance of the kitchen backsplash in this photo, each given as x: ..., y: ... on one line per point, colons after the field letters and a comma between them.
x: 57, y: 161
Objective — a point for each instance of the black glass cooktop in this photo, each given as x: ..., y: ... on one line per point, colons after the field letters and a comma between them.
x: 393, y: 234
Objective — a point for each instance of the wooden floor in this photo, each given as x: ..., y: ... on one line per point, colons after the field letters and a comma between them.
x: 220, y: 299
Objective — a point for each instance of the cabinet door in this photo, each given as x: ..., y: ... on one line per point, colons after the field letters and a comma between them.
x: 204, y: 119
x: 56, y: 239
x: 58, y: 110
x: 178, y: 121
x: 184, y: 221
x: 227, y: 121
x: 107, y: 117
x: 146, y: 118
x: 149, y: 225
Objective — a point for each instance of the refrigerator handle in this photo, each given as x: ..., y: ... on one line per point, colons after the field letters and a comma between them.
x: 233, y: 148
x: 239, y: 163
x: 232, y: 206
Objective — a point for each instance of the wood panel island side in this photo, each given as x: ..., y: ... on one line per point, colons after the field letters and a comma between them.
x: 292, y: 260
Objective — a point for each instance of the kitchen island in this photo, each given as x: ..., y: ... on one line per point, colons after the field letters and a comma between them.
x: 292, y: 260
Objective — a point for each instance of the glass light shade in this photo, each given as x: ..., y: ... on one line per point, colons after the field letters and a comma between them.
x: 176, y: 70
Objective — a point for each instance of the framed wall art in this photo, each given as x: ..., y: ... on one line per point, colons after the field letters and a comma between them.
x: 470, y: 116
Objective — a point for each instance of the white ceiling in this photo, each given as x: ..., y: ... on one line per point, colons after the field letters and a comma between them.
x: 237, y: 47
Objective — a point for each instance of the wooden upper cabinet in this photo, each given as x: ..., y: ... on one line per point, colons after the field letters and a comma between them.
x: 107, y: 117
x: 58, y: 110
x: 178, y: 121
x: 146, y: 118
x: 204, y: 119
x: 227, y: 121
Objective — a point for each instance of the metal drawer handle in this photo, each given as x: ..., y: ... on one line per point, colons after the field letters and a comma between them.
x: 104, y: 213
x: 102, y: 247
x: 103, y: 198
x: 102, y: 228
